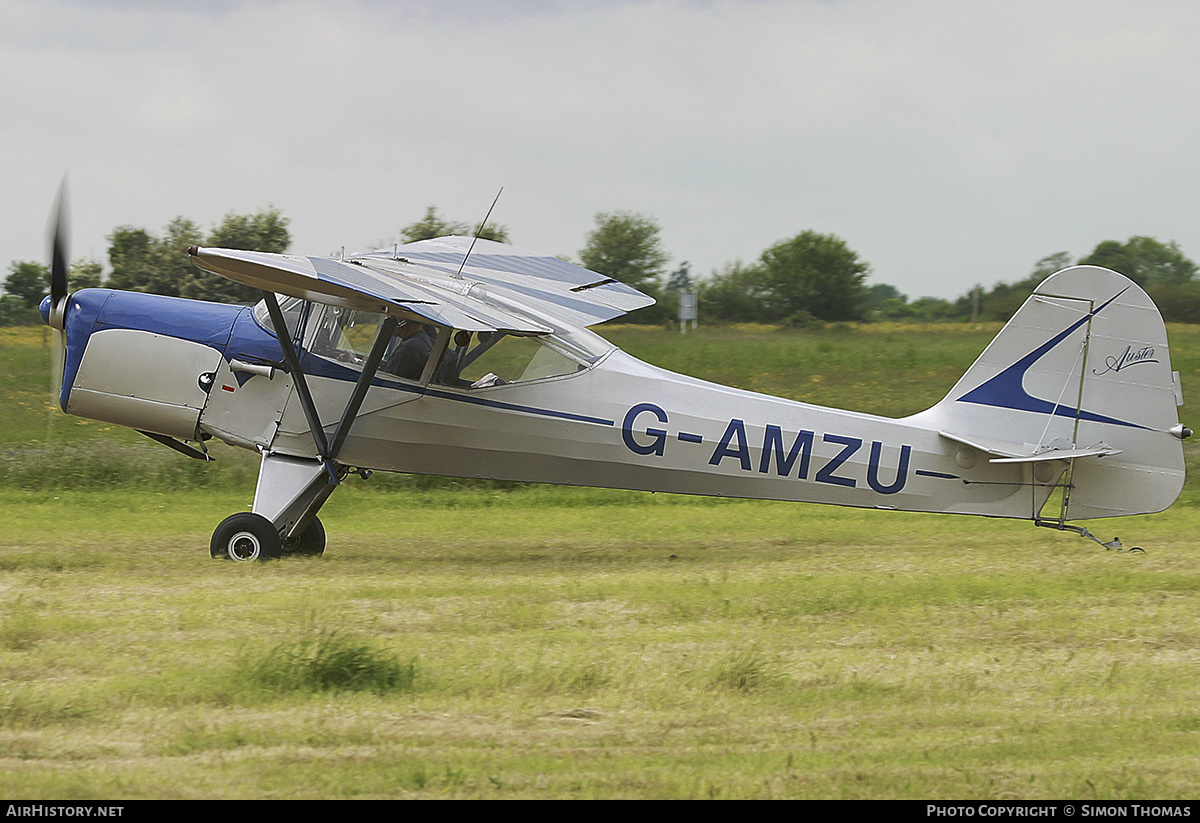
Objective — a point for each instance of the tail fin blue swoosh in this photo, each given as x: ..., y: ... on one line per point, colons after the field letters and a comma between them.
x: 1007, y: 389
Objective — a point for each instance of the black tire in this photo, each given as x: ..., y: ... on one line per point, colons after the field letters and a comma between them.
x: 245, y: 537
x: 310, y: 543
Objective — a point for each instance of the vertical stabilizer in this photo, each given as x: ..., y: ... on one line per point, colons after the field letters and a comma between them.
x: 1081, y: 375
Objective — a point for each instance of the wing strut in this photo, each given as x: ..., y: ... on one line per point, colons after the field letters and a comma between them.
x: 370, y: 367
x: 327, y: 450
x: 291, y: 490
x: 293, y: 364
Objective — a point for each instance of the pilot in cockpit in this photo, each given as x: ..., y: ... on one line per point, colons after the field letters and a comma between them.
x: 410, y: 349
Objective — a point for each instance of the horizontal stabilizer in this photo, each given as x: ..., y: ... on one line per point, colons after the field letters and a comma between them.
x: 1004, y: 452
x: 1059, y: 454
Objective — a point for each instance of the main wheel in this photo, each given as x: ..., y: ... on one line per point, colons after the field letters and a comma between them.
x: 245, y: 537
x: 310, y: 542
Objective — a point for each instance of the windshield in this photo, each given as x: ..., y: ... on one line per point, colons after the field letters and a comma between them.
x: 292, y: 308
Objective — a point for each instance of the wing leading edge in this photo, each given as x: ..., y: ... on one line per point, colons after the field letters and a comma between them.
x: 501, y: 287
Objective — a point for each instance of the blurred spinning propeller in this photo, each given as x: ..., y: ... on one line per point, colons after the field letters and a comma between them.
x: 57, y: 232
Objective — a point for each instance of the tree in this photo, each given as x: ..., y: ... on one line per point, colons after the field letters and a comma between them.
x: 626, y: 246
x: 814, y: 275
x: 1048, y: 265
x: 880, y: 293
x: 160, y: 265
x: 1145, y: 261
x: 680, y: 279
x: 83, y: 274
x: 1002, y: 300
x: 1111, y: 255
x: 14, y: 313
x: 130, y: 253
x: 265, y: 231
x: 1162, y: 269
x: 932, y: 310
x: 1179, y: 304
x: 492, y: 232
x: 885, y: 302
x: 733, y: 295
x: 28, y: 283
x: 432, y: 225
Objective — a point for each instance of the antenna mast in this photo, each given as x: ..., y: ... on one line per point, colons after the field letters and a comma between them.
x: 479, y: 231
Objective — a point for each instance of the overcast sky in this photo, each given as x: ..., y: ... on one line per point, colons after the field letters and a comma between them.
x: 948, y: 143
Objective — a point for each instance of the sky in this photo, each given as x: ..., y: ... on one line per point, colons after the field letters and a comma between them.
x: 947, y: 143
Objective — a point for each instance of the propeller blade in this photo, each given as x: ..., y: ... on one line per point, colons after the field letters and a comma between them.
x: 57, y: 356
x: 60, y: 231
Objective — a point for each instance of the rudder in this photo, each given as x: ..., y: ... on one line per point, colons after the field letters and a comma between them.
x: 1080, y: 375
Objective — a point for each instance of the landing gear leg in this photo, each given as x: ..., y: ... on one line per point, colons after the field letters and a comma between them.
x: 310, y: 542
x: 1112, y: 545
x: 290, y: 492
x: 292, y: 489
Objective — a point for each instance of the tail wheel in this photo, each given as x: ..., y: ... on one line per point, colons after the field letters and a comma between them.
x: 245, y: 537
x: 310, y: 542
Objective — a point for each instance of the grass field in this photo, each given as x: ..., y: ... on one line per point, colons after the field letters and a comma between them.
x: 495, y: 641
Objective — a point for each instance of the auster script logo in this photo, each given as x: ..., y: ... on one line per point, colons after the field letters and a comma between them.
x: 1128, y: 358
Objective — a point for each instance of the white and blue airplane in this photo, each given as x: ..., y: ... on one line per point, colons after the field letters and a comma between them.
x: 474, y: 359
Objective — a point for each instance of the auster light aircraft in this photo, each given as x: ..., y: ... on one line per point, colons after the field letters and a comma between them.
x: 1075, y: 394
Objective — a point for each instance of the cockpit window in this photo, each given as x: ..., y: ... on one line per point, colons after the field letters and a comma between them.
x: 345, y: 335
x: 470, y: 360
x: 292, y: 308
x: 488, y: 359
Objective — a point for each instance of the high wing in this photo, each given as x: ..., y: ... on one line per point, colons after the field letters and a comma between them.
x: 501, y: 287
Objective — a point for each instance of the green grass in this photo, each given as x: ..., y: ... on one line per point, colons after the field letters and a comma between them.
x: 475, y: 640
x: 891, y: 369
x: 608, y: 645
x: 327, y: 661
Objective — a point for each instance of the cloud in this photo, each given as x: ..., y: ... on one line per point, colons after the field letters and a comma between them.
x: 948, y: 143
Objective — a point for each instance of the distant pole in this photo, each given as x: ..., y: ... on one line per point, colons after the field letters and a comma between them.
x: 975, y: 305
x: 687, y: 309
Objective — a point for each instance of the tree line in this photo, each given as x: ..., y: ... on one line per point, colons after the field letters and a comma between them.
x: 1162, y: 269
x: 806, y: 279
x: 159, y: 264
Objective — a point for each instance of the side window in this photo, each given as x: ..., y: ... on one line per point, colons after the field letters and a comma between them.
x: 345, y: 335
x: 494, y: 358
